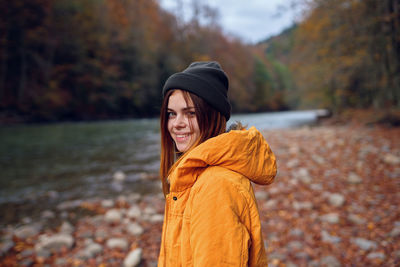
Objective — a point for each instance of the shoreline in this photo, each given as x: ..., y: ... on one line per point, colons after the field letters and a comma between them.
x: 333, y: 202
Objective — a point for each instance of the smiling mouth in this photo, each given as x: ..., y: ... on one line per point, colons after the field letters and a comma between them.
x: 182, y: 137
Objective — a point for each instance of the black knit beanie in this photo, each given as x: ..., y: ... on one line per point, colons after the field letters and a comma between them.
x: 206, y: 80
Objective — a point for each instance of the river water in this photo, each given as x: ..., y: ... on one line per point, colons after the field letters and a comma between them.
x: 78, y: 160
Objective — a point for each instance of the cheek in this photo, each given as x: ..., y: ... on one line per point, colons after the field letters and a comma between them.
x: 169, y: 126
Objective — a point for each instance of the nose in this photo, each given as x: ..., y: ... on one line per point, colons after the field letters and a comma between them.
x: 180, y: 121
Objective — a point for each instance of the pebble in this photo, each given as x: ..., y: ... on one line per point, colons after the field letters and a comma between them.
x: 354, y: 178
x: 113, y: 216
x: 336, y: 200
x: 391, y: 159
x: 119, y: 176
x: 294, y: 245
x: 303, y: 175
x: 326, y: 237
x: 149, y: 210
x: 27, y: 231
x: 364, y: 244
x: 48, y: 214
x: 293, y: 163
x: 261, y: 195
x: 54, y: 242
x: 296, y: 232
x: 156, y: 218
x: 356, y: 219
x: 302, y: 205
x: 270, y: 203
x: 376, y: 255
x: 69, y: 204
x: 6, y: 246
x: 395, y: 232
x: 107, y: 203
x: 330, y: 261
x: 133, y: 258
x: 66, y: 228
x: 318, y: 159
x: 42, y: 253
x: 26, y: 262
x: 134, y: 212
x: 118, y: 243
x: 134, y: 229
x: 332, y: 218
x: 90, y: 251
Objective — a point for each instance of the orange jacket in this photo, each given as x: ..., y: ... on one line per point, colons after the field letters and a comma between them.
x: 211, y: 215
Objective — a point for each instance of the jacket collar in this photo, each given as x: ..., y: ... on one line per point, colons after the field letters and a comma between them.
x: 242, y: 151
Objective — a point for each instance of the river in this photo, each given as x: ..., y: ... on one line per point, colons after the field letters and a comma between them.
x: 78, y: 160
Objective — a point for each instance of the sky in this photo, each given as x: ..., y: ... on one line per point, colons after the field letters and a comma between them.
x: 250, y: 20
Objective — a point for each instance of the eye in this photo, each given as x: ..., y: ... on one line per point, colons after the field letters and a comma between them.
x: 191, y: 114
x: 171, y: 114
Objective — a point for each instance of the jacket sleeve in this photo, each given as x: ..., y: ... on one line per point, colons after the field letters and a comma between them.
x: 218, y: 236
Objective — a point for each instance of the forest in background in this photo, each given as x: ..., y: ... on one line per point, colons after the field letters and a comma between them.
x: 105, y: 59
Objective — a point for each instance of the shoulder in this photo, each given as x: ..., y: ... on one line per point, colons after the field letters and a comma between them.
x: 218, y: 183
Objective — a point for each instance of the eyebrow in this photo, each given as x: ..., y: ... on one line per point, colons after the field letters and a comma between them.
x: 184, y: 109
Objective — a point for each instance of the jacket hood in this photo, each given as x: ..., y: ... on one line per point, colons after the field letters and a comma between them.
x: 242, y: 151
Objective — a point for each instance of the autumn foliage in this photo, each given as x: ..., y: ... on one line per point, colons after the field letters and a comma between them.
x: 74, y: 60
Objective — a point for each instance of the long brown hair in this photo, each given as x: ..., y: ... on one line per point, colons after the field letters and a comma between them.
x: 211, y: 123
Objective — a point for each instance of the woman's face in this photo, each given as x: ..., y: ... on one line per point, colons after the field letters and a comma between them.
x: 182, y: 121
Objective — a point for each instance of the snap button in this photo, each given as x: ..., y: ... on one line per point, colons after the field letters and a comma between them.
x: 175, y: 198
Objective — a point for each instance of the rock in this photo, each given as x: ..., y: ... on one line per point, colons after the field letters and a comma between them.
x: 61, y: 262
x: 48, y: 214
x: 134, y: 229
x: 26, y: 263
x: 69, y: 204
x: 302, y: 205
x: 43, y: 253
x: 391, y: 159
x: 55, y: 242
x: 376, y: 255
x: 134, y: 212
x: 156, y: 218
x: 66, y: 228
x: 134, y: 197
x: 5, y: 247
x: 354, y: 178
x: 133, y: 258
x: 113, y: 216
x: 90, y: 251
x: 149, y: 210
x: 364, y: 244
x: 332, y: 218
x: 26, y: 253
x: 318, y: 159
x: 296, y: 232
x: 326, y: 237
x: 395, y: 232
x: 336, y: 200
x: 26, y: 231
x: 117, y: 243
x: 101, y: 234
x: 107, y: 203
x: 330, y: 261
x: 271, y: 203
x: 119, y: 176
x: 293, y: 163
x: 354, y: 218
x: 261, y: 195
x: 295, y: 245
x: 303, y: 175
x: 316, y: 187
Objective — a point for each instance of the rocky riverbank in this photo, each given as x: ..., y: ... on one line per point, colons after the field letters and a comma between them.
x: 334, y: 203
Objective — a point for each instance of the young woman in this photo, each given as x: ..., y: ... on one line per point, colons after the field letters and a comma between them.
x: 211, y: 215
